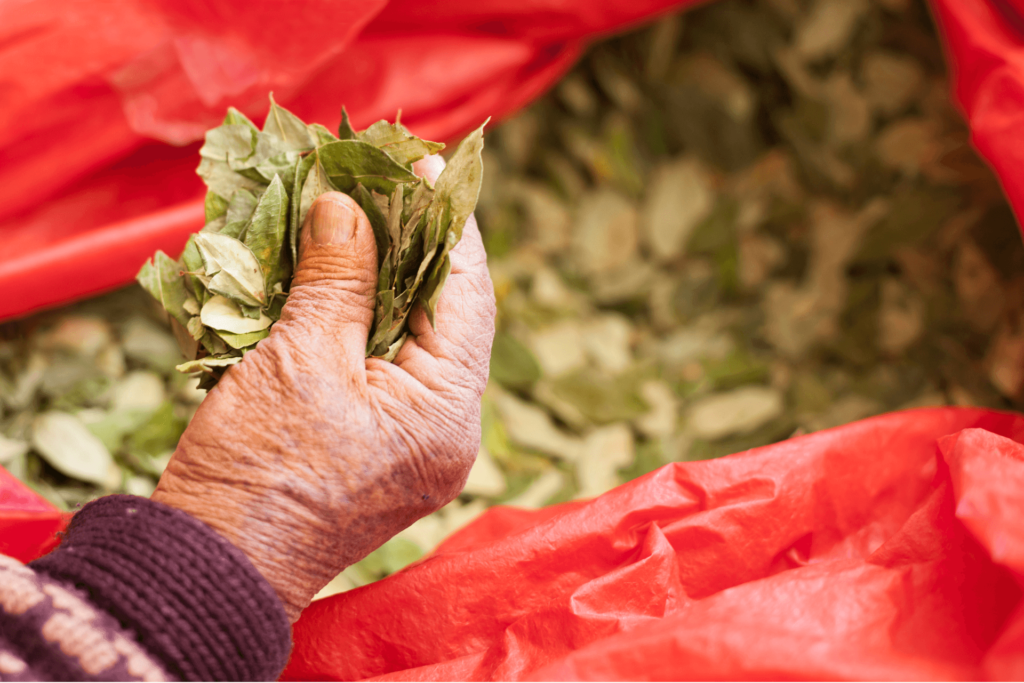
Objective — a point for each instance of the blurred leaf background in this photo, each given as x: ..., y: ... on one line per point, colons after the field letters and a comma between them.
x: 754, y: 220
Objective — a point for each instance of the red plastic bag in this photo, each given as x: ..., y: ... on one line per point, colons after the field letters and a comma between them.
x: 891, y: 548
x: 28, y: 523
x: 91, y: 109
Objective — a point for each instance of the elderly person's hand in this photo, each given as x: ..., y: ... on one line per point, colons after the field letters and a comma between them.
x: 307, y: 455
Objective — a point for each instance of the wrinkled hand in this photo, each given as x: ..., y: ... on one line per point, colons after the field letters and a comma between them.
x: 307, y: 455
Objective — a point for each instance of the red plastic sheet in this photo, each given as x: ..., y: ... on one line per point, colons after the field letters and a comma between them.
x: 28, y: 523
x: 985, y: 50
x: 891, y: 548
x: 101, y: 107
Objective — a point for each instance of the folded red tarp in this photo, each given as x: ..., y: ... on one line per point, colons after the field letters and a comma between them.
x: 891, y: 548
x: 94, y: 99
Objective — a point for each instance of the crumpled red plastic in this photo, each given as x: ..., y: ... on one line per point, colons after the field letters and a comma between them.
x: 890, y: 548
x: 984, y: 42
x: 28, y: 523
x: 101, y: 109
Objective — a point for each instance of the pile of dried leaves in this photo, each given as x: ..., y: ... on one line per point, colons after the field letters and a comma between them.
x: 233, y: 278
x: 754, y: 220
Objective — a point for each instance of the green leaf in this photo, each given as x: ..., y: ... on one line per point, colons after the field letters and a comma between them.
x: 233, y: 268
x: 162, y: 279
x: 213, y: 344
x: 241, y: 206
x: 233, y: 229
x: 250, y: 312
x: 602, y: 399
x: 160, y: 434
x: 223, y: 314
x: 236, y: 117
x: 393, y: 350
x: 345, y: 131
x: 277, y: 301
x: 384, y: 314
x: 316, y: 184
x: 208, y: 364
x: 378, y: 221
x: 188, y: 344
x: 71, y: 448
x: 512, y: 363
x: 321, y: 134
x: 192, y: 263
x: 431, y: 292
x: 282, y: 165
x: 195, y: 328
x: 222, y: 180
x: 294, y: 222
x: 215, y: 206
x: 395, y: 220
x: 243, y: 341
x: 457, y: 190
x: 288, y: 127
x: 351, y: 162
x: 398, y: 143
x: 231, y: 143
x: 266, y: 233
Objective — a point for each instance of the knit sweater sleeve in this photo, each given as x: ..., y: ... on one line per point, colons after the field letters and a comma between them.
x: 139, y: 591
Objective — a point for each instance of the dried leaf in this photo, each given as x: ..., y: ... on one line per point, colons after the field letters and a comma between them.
x: 288, y: 128
x: 162, y: 279
x: 208, y: 364
x: 220, y: 313
x: 234, y: 270
x: 348, y: 163
x: 243, y: 341
x: 321, y: 134
x: 345, y: 130
x: 195, y: 328
x: 71, y: 448
x: 399, y: 144
x: 512, y: 363
x: 215, y: 206
x: 262, y: 184
x: 233, y: 144
x: 241, y: 206
x: 222, y: 180
x: 236, y: 117
x: 266, y: 233
x: 316, y: 183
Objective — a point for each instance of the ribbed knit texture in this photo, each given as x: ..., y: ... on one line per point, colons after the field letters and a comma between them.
x: 194, y: 601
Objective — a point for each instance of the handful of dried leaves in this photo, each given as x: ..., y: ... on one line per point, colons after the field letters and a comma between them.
x: 231, y: 282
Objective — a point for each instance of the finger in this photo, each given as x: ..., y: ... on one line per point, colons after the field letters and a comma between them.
x: 332, y: 296
x: 429, y: 167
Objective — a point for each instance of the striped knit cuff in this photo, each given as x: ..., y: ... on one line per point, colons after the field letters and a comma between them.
x: 193, y: 600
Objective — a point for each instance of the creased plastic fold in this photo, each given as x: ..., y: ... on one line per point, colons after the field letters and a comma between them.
x: 889, y: 548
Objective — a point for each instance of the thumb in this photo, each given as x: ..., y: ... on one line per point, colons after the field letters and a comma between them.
x: 335, y: 284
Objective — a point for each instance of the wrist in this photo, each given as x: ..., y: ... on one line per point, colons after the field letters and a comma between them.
x: 272, y: 539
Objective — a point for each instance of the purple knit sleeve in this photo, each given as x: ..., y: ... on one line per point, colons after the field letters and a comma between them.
x: 192, y: 600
